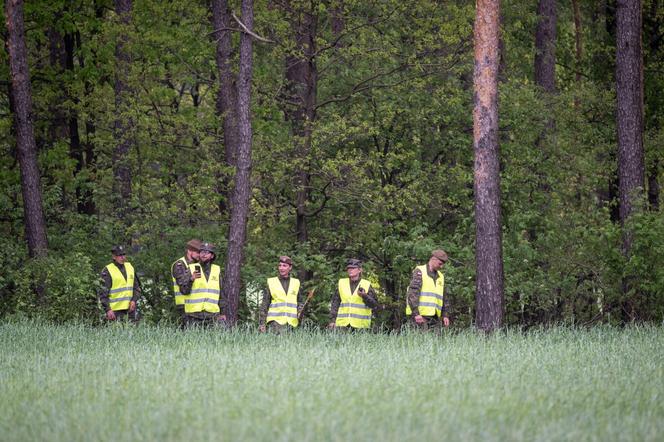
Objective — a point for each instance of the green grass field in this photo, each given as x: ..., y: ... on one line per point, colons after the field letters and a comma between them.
x: 75, y: 383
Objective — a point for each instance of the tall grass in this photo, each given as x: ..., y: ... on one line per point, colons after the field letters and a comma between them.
x: 71, y: 383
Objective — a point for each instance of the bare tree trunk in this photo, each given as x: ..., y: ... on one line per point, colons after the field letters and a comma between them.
x: 489, y: 262
x: 227, y: 95
x: 302, y: 83
x: 545, y: 46
x: 123, y: 125
x: 242, y: 189
x: 653, y: 187
x: 629, y: 106
x: 35, y: 224
x: 578, y: 39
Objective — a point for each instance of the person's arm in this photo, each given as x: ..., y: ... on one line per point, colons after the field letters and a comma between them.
x: 414, y: 288
x: 447, y: 308
x: 369, y: 297
x: 104, y: 289
x: 182, y: 276
x: 264, y: 307
x: 137, y: 291
x: 334, y: 306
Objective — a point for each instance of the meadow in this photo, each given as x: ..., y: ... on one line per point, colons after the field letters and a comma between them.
x: 81, y: 383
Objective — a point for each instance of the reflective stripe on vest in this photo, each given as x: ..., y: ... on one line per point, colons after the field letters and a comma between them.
x: 179, y: 297
x: 122, y: 290
x: 204, y: 296
x: 431, y: 294
x: 352, y: 310
x: 283, y: 306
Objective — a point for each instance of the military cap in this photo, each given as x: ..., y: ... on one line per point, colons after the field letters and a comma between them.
x: 194, y: 244
x: 286, y: 260
x: 353, y: 263
x: 208, y: 247
x: 118, y: 250
x: 439, y: 254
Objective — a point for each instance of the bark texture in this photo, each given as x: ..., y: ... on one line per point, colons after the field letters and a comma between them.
x: 26, y: 147
x: 489, y: 262
x: 629, y: 107
x: 227, y: 95
x: 242, y: 189
x: 545, y: 46
x: 123, y: 125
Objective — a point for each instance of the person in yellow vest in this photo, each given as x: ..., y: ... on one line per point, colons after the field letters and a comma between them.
x: 204, y: 306
x: 282, y: 300
x: 426, y: 303
x: 120, y: 288
x: 353, y: 300
x: 182, y: 275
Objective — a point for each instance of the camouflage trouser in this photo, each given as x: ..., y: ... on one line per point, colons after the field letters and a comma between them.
x: 125, y: 316
x: 179, y: 308
x: 207, y: 321
x: 349, y: 329
x: 430, y: 324
x: 276, y: 328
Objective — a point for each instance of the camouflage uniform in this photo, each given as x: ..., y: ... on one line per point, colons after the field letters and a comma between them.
x: 107, y: 283
x: 413, y: 299
x: 206, y: 319
x: 274, y: 326
x: 182, y: 276
x: 370, y: 299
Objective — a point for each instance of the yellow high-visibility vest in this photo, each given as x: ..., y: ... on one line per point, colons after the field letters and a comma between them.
x: 122, y: 290
x: 179, y: 297
x: 204, y: 296
x: 431, y: 294
x: 352, y: 310
x: 283, y: 306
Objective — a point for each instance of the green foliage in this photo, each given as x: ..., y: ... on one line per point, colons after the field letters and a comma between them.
x: 390, y: 165
x: 58, y: 288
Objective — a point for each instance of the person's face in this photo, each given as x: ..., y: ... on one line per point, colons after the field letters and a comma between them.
x: 435, y: 263
x: 120, y: 259
x: 284, y: 269
x: 193, y: 255
x: 354, y: 273
x: 205, y: 256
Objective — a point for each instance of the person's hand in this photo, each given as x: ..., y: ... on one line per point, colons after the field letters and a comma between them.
x: 262, y: 328
x: 221, y: 318
x: 195, y: 275
x: 132, y: 306
x: 446, y: 321
x: 419, y: 319
x: 110, y: 315
x: 331, y: 325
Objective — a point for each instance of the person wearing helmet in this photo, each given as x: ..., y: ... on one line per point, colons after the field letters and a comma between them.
x: 426, y: 303
x: 353, y: 300
x: 120, y: 288
x: 203, y: 306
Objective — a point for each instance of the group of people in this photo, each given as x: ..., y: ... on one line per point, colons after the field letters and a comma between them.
x: 197, y: 293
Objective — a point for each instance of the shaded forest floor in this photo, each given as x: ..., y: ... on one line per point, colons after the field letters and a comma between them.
x: 71, y: 383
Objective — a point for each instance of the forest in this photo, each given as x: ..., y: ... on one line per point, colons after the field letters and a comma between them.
x: 331, y: 129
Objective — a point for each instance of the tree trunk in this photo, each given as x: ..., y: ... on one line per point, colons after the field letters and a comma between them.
x: 242, y: 189
x: 227, y: 95
x: 489, y: 283
x: 301, y: 85
x: 123, y: 125
x: 26, y: 148
x: 629, y: 106
x: 545, y: 46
